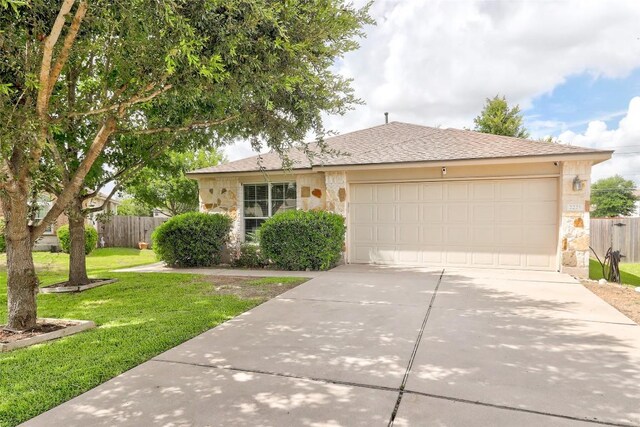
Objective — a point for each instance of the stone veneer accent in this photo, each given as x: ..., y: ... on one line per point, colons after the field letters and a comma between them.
x: 574, y: 221
x: 222, y: 195
x: 336, y: 183
x: 311, y: 191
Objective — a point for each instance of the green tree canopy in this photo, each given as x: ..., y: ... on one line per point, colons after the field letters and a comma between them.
x: 499, y: 119
x: 163, y: 185
x: 131, y: 207
x: 613, y: 196
x: 94, y: 86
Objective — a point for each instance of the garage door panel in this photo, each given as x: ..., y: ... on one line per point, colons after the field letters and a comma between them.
x: 363, y: 213
x: 483, y: 191
x: 385, y: 193
x: 511, y: 236
x: 457, y: 212
x: 510, y: 259
x: 510, y: 190
x: 541, y: 212
x: 362, y: 193
x: 432, y: 235
x: 457, y: 257
x: 509, y: 212
x: 386, y: 234
x: 483, y: 236
x: 409, y: 192
x: 385, y: 213
x: 542, y: 190
x: 409, y: 234
x: 458, y: 191
x: 482, y: 213
x: 508, y: 223
x: 484, y: 257
x: 432, y: 213
x: 458, y: 236
x: 363, y: 233
x: 433, y: 192
x: 409, y: 213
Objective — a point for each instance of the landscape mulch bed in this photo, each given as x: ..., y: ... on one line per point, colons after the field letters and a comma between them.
x: 63, y: 287
x: 42, y: 327
x: 624, y: 298
x: 242, y: 287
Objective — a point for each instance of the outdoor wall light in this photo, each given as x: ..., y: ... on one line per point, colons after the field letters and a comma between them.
x: 444, y: 171
x: 577, y: 184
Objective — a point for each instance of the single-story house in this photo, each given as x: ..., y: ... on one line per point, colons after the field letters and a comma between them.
x: 49, y: 240
x: 418, y: 195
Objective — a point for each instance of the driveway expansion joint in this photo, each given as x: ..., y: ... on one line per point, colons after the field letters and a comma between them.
x: 512, y: 408
x: 280, y: 374
x: 348, y: 302
x: 415, y: 351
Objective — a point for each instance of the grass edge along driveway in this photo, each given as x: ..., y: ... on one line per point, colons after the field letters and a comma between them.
x: 138, y: 317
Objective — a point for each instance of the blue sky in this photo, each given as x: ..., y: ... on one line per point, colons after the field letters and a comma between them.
x: 581, y: 99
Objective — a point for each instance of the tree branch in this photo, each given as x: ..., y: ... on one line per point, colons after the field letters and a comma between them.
x: 192, y: 126
x: 75, y: 184
x: 122, y: 106
x: 66, y: 47
x: 107, y: 200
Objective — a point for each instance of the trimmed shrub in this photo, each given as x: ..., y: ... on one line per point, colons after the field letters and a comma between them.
x: 3, y: 242
x: 90, y: 238
x: 249, y: 256
x: 299, y: 240
x: 193, y: 239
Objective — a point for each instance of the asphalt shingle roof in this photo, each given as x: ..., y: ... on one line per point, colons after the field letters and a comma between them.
x: 398, y: 142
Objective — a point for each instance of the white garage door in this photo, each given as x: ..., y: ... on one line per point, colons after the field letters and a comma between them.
x: 484, y: 223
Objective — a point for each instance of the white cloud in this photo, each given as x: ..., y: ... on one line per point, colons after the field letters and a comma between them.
x: 624, y: 138
x: 434, y: 62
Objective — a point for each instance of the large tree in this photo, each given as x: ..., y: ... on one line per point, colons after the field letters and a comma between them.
x: 163, y: 185
x: 82, y: 79
x: 613, y: 196
x: 499, y: 119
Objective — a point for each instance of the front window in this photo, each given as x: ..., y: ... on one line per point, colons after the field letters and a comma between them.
x: 262, y: 201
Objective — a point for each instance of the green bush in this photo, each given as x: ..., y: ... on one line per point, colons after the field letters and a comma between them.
x: 249, y: 257
x: 90, y: 238
x: 299, y: 240
x: 3, y: 242
x: 192, y: 239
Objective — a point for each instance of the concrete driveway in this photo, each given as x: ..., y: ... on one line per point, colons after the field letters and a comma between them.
x: 376, y: 346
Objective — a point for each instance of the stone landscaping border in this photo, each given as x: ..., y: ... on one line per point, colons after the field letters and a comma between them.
x: 64, y: 289
x: 81, y: 325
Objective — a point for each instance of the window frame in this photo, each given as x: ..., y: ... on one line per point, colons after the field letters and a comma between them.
x: 269, y: 201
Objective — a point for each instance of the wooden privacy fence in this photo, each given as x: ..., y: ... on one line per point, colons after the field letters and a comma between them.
x: 621, y: 234
x: 127, y: 231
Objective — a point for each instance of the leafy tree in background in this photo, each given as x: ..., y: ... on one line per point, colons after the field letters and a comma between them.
x: 131, y: 207
x: 499, y: 119
x: 90, y: 91
x: 164, y: 186
x: 613, y: 196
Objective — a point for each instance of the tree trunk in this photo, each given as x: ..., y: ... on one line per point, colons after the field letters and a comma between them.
x: 22, y: 282
x: 77, y: 256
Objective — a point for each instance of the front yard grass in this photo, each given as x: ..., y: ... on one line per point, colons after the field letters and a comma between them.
x: 138, y: 317
x: 629, y: 272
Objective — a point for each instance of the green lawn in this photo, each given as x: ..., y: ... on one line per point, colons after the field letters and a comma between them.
x: 138, y: 317
x: 630, y: 273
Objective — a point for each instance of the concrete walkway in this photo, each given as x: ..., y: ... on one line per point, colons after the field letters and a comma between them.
x: 375, y: 346
x: 160, y: 267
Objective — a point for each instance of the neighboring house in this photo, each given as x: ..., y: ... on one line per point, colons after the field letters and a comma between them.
x: 416, y: 195
x: 49, y: 240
